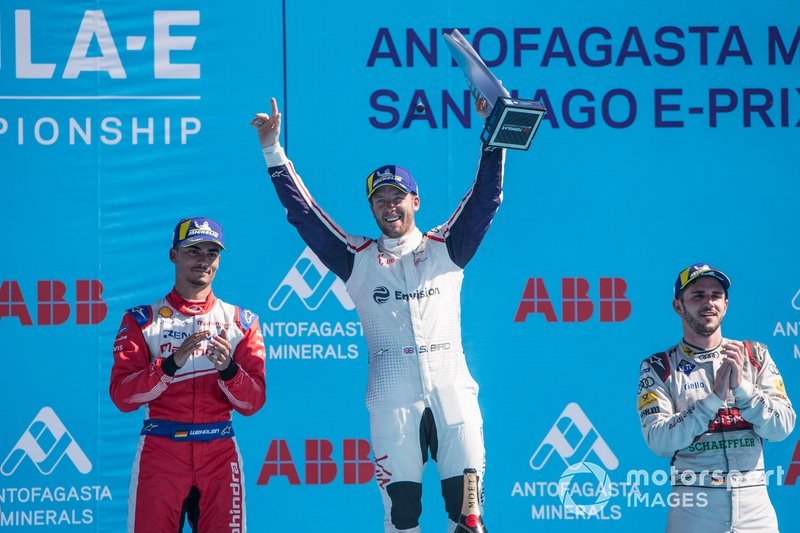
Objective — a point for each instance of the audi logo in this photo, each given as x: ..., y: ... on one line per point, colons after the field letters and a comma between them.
x: 646, y: 383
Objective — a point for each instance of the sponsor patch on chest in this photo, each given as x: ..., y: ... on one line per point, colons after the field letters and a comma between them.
x: 686, y: 367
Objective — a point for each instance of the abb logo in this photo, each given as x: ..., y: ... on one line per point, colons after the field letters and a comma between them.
x: 320, y: 466
x: 576, y: 304
x: 52, y: 308
x: 794, y: 467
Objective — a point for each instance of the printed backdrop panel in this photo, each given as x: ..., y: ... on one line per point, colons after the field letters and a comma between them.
x: 670, y: 139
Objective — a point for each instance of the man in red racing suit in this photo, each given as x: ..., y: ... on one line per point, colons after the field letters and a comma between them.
x: 190, y: 359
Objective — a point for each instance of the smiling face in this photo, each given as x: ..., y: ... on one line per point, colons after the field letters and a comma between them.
x: 394, y: 210
x: 702, y: 306
x: 195, y: 268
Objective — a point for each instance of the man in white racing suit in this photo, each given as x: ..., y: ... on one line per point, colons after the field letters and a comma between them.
x: 709, y: 402
x: 406, y: 286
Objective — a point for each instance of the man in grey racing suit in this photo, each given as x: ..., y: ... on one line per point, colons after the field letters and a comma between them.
x: 406, y: 286
x: 708, y: 402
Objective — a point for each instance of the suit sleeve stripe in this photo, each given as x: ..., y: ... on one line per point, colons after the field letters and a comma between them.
x: 321, y: 214
x: 235, y: 401
x: 458, y: 210
x: 152, y: 394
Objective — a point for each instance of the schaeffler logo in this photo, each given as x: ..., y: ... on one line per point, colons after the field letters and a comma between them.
x: 311, y: 281
x: 46, y: 442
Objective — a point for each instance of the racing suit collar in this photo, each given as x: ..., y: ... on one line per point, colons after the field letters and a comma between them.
x: 401, y: 246
x: 694, y: 351
x: 190, y: 307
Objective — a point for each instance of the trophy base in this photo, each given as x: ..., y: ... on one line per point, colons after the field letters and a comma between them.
x: 513, y: 123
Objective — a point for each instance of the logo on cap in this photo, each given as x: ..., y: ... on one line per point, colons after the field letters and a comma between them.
x: 202, y: 229
x: 197, y: 229
x: 697, y: 270
x: 391, y: 175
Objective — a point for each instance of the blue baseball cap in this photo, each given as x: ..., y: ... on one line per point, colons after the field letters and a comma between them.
x: 391, y: 175
x: 192, y: 230
x: 696, y: 271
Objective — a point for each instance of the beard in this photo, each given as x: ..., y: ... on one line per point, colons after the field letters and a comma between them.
x: 705, y: 329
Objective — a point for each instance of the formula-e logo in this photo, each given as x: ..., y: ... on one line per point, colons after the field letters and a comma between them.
x: 380, y: 295
x: 95, y: 28
x: 514, y: 128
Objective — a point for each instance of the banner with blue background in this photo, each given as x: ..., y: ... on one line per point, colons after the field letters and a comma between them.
x: 671, y: 139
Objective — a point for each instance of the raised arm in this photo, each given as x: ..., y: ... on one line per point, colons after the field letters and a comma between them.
x: 467, y: 226
x: 333, y: 246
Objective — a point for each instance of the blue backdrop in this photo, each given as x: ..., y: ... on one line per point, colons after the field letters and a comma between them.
x: 671, y: 138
